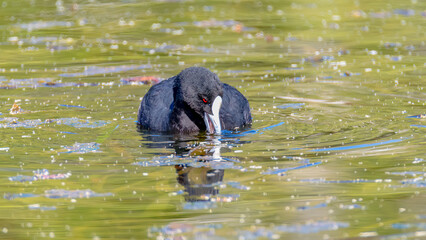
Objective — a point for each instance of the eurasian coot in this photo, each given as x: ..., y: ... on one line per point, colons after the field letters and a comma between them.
x: 194, y: 100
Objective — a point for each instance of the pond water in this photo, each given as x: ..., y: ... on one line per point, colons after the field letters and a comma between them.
x: 336, y: 149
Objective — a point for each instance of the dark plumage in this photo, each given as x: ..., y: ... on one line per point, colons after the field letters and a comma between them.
x: 194, y: 100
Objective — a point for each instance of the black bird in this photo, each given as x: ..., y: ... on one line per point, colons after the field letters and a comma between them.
x: 194, y: 100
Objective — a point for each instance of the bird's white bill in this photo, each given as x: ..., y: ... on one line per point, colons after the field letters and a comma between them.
x: 212, y: 121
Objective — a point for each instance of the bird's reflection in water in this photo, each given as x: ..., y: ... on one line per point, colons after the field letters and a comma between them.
x: 201, y: 184
x: 203, y: 175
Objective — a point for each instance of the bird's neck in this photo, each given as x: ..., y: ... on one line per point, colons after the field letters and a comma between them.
x: 184, y: 120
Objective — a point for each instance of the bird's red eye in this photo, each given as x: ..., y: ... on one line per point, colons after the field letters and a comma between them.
x: 204, y: 100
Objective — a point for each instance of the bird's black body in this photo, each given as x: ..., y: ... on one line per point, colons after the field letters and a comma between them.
x: 177, y: 104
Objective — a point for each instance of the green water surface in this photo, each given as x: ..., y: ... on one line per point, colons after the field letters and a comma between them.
x: 331, y: 84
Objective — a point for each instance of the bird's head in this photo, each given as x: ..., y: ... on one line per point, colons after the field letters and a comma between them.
x: 200, y: 91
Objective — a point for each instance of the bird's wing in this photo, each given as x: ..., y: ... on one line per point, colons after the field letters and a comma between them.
x: 155, y: 106
x: 235, y: 110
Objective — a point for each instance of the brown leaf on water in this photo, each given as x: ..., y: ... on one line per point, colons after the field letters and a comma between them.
x: 16, y: 109
x: 141, y: 80
x: 201, y: 150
